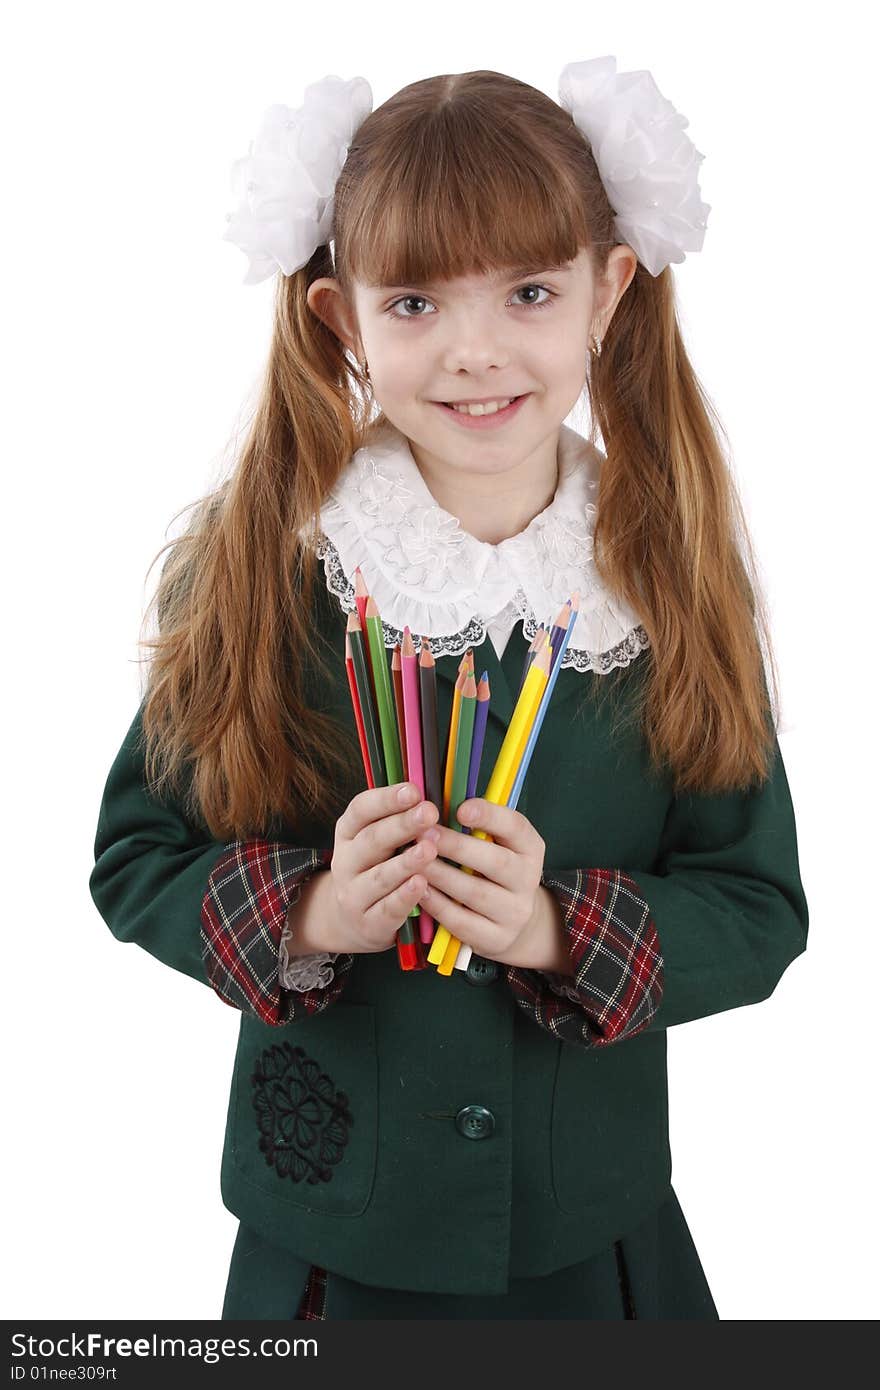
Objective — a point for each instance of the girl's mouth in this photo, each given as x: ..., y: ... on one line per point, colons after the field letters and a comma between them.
x: 482, y: 422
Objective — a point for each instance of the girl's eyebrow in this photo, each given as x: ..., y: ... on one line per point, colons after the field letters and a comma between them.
x: 514, y: 273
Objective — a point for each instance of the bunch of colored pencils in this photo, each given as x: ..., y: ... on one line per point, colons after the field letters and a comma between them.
x: 396, y: 718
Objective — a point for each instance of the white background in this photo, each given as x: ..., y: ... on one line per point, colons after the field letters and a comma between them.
x: 130, y: 349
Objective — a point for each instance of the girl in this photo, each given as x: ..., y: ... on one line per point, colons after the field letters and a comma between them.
x: 492, y: 1143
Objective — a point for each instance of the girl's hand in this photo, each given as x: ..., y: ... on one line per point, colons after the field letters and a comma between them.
x: 373, y: 887
x: 494, y: 910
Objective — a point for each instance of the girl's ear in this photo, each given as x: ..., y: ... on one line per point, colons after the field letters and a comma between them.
x: 619, y: 272
x: 327, y: 302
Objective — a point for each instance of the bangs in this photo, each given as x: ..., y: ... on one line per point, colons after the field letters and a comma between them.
x: 462, y: 197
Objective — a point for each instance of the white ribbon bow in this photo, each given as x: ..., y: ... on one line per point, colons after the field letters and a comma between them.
x: 648, y: 166
x: 285, y: 183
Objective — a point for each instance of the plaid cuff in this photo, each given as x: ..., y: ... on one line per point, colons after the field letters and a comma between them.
x: 243, y: 912
x: 616, y: 956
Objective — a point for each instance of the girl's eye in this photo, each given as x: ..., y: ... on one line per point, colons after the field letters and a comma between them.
x: 410, y: 299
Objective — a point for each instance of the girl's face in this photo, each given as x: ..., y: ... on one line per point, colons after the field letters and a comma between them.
x: 475, y: 338
x: 478, y: 337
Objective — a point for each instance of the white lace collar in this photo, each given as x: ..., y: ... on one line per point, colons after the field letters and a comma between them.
x: 425, y: 570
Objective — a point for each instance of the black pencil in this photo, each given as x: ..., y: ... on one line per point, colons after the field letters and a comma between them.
x: 430, y: 731
x: 365, y: 695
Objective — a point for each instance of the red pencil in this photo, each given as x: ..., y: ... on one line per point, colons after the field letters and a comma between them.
x: 358, y: 714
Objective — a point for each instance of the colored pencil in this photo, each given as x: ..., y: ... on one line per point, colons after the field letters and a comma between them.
x: 397, y: 683
x: 408, y: 954
x: 356, y: 706
x: 411, y: 727
x: 361, y: 594
x: 533, y: 647
x: 560, y: 627
x: 444, y: 947
x: 462, y: 757
x: 384, y: 695
x: 463, y: 745
x: 480, y: 720
x: 574, y: 603
x: 430, y: 730
x: 366, y: 700
x: 517, y: 769
x: 430, y: 754
x: 450, y: 742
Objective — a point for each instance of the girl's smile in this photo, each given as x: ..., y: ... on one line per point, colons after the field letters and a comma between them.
x: 489, y: 421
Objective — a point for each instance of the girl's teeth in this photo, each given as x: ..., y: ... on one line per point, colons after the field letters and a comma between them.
x: 489, y: 409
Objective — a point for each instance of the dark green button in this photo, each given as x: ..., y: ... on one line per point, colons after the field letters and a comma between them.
x: 475, y: 1122
x: 481, y: 971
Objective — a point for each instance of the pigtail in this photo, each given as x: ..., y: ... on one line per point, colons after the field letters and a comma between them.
x: 227, y: 699
x: 672, y: 540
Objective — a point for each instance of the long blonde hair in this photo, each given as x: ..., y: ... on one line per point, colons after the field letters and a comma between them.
x: 453, y: 175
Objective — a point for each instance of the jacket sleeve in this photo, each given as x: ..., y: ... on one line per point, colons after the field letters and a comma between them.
x: 214, y: 910
x: 713, y: 925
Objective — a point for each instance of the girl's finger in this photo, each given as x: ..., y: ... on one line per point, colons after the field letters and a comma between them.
x: 374, y: 803
x: 468, y: 926
x: 393, y: 909
x: 491, y: 860
x: 378, y: 840
x: 380, y: 882
x: 510, y: 828
x: 487, y: 899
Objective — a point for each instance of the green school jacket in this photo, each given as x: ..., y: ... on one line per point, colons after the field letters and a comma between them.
x: 467, y: 1143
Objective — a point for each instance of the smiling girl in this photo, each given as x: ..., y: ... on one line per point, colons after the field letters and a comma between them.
x: 455, y: 271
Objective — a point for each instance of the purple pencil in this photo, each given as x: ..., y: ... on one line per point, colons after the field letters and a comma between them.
x: 559, y: 629
x: 478, y: 737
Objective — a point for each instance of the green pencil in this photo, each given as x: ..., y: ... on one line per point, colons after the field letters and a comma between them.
x: 463, y: 742
x: 388, y: 725
x: 384, y: 695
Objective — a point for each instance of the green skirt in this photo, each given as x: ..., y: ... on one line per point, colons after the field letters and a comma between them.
x: 653, y: 1272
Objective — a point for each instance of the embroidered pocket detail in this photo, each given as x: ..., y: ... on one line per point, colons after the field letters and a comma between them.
x: 303, y: 1120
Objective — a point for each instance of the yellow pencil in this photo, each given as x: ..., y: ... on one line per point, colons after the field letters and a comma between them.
x: 445, y: 946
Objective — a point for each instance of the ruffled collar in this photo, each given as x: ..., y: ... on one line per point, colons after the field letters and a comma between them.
x: 425, y: 570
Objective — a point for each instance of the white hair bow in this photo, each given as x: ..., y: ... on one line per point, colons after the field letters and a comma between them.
x: 285, y: 183
x: 648, y: 166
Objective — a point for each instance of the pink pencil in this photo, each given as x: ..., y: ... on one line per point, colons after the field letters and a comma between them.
x: 412, y: 718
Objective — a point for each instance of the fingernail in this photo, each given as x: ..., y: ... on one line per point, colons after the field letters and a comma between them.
x: 407, y: 794
x: 432, y: 834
